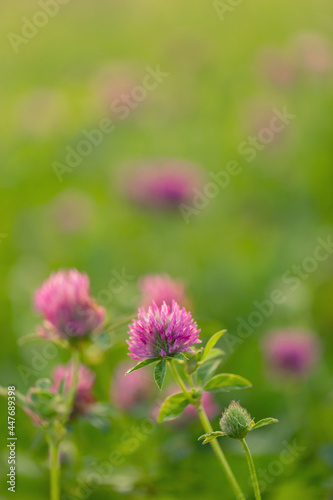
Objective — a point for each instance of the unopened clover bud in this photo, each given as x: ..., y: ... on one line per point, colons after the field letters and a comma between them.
x: 236, y: 421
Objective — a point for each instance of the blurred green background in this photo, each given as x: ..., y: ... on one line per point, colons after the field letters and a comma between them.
x: 221, y: 88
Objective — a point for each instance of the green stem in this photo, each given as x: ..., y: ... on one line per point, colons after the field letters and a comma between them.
x: 72, y: 387
x: 180, y: 380
x: 252, y: 470
x: 54, y: 471
x: 208, y: 428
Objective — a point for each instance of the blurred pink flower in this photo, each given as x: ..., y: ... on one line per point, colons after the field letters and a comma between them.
x: 69, y: 310
x: 70, y: 211
x: 278, y: 66
x: 315, y: 53
x: 162, y: 183
x: 161, y: 288
x: 114, y: 84
x: 127, y: 392
x: 260, y: 120
x: 84, y: 396
x: 291, y: 352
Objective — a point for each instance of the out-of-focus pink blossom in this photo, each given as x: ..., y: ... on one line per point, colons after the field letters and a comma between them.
x: 114, y: 84
x: 315, y: 53
x: 65, y: 302
x: 70, y: 211
x: 131, y: 391
x: 291, y: 352
x: 278, y: 66
x: 161, y: 288
x: 84, y: 396
x: 162, y: 183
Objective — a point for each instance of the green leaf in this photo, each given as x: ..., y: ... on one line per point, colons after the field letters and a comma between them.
x: 211, y: 343
x: 207, y: 370
x: 62, y: 387
x: 215, y: 353
x: 159, y: 373
x: 141, y: 364
x: 210, y: 436
x: 40, y: 395
x: 263, y: 422
x: 227, y: 382
x: 172, y: 407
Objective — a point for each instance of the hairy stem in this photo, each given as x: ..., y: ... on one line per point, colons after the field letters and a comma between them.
x: 252, y: 470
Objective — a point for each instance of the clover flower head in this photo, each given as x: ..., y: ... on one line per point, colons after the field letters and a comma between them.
x: 162, y: 183
x: 162, y: 331
x: 68, y: 309
x: 291, y: 352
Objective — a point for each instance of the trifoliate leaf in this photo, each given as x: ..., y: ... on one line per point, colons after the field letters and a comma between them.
x: 172, y: 407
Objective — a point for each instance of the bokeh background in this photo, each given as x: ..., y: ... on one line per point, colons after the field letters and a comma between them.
x: 227, y: 71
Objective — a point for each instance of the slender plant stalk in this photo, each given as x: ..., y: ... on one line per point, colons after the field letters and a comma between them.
x: 72, y: 387
x: 208, y: 428
x: 180, y: 380
x: 253, y: 474
x: 53, y: 443
x: 54, y: 471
